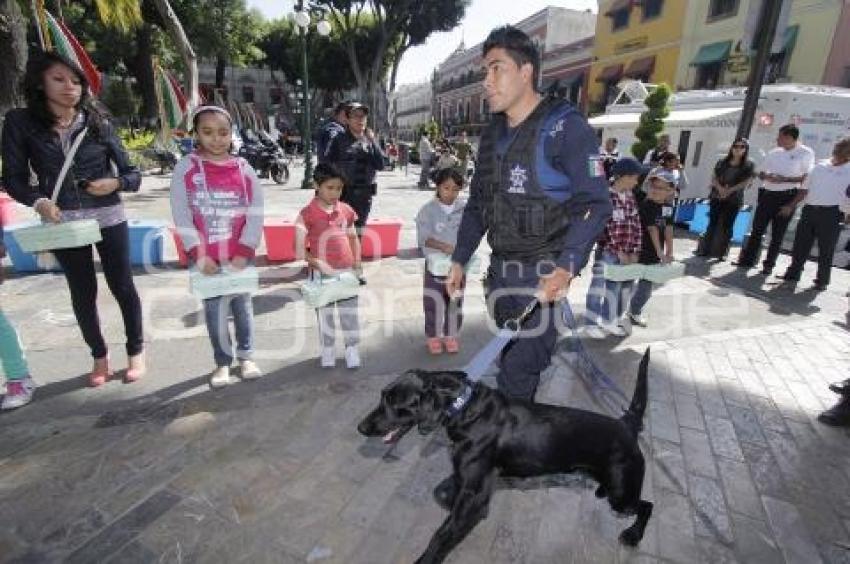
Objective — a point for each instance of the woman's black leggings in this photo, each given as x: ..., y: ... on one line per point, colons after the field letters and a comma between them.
x: 78, y: 265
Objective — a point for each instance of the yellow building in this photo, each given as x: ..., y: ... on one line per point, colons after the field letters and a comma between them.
x: 635, y: 39
x: 712, y: 52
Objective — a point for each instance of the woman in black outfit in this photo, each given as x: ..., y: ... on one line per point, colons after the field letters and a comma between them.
x: 732, y: 175
x: 58, y: 111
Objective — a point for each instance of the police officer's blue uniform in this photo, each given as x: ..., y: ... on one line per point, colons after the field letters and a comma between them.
x: 541, y: 196
x: 359, y: 160
x: 329, y: 132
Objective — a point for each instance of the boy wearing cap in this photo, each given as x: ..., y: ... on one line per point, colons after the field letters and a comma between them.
x: 656, y: 217
x: 620, y: 244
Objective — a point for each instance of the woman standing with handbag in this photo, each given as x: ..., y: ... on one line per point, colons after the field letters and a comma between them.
x: 41, y: 137
x: 732, y: 174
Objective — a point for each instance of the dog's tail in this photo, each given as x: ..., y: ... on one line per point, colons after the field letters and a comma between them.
x: 633, y: 417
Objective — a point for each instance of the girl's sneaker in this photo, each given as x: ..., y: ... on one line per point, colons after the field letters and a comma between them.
x: 435, y: 345
x: 452, y: 345
x: 249, y: 370
x: 638, y: 319
x: 592, y: 330
x: 220, y: 377
x: 352, y: 357
x: 100, y: 372
x: 18, y: 393
x: 328, y: 357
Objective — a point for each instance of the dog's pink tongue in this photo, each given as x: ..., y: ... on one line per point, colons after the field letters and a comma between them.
x: 388, y: 438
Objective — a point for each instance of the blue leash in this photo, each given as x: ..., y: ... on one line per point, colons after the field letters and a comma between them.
x: 603, y: 388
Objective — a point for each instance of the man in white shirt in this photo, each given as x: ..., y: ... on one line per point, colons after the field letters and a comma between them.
x: 783, y: 171
x: 425, y: 155
x: 826, y: 191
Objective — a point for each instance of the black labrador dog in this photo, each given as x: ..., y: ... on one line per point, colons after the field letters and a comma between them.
x: 493, y: 436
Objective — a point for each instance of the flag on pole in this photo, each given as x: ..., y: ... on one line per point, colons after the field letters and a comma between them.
x: 173, y: 100
x: 66, y: 44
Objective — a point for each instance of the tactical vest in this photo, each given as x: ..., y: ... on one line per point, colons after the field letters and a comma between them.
x: 522, y: 222
x: 355, y: 163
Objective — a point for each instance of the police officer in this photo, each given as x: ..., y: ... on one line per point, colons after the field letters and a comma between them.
x: 357, y: 154
x: 331, y: 129
x: 540, y: 195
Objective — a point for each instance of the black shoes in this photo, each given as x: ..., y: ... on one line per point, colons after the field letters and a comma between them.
x: 445, y: 492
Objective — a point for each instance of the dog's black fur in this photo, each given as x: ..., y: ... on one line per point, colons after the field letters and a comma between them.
x: 492, y: 436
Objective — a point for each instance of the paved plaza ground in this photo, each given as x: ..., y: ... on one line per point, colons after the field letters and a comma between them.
x: 167, y: 470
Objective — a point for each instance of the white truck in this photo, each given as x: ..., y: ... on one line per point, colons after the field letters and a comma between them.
x: 702, y: 125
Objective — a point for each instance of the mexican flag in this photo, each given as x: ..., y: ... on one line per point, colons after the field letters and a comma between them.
x: 66, y: 44
x: 173, y: 100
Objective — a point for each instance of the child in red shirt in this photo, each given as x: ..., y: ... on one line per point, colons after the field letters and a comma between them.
x: 327, y: 240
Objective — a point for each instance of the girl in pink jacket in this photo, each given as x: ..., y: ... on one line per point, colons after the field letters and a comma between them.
x: 217, y: 204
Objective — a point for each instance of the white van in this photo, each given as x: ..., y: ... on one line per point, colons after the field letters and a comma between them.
x: 702, y: 125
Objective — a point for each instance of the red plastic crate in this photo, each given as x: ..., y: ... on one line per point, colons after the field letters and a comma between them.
x: 280, y: 240
x: 380, y: 238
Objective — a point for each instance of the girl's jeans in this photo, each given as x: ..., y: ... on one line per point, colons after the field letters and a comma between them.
x: 216, y: 311
x: 606, y: 300
x: 641, y: 296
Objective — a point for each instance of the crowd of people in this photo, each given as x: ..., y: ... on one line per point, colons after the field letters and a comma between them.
x: 543, y: 217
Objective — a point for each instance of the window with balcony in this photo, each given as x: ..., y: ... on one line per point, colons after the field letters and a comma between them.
x: 652, y: 9
x: 720, y: 9
x: 709, y: 75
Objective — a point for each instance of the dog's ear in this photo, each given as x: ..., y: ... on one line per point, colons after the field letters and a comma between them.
x: 430, y: 409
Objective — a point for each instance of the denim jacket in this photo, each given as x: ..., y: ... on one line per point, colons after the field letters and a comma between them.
x: 27, y: 143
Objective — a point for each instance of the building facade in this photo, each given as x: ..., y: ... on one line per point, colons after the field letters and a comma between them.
x: 409, y: 107
x: 565, y: 70
x: 459, y: 102
x: 243, y: 84
x: 637, y: 40
x: 811, y: 45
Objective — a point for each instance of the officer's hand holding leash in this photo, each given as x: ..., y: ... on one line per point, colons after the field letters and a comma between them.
x: 554, y: 285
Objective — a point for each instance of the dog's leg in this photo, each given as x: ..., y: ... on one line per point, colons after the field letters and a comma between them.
x: 470, y: 506
x: 445, y: 492
x: 633, y: 535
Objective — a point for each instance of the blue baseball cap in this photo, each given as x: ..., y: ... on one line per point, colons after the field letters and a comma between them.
x: 626, y: 166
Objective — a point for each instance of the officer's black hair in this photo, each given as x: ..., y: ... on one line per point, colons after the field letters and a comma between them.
x: 448, y: 173
x: 791, y: 130
x: 519, y: 47
x: 326, y: 171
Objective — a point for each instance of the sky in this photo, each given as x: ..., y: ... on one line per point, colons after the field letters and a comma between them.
x: 481, y: 16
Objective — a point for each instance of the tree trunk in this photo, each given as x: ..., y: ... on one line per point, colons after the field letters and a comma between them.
x: 220, y: 69
x: 175, y: 31
x: 13, y: 54
x: 142, y: 65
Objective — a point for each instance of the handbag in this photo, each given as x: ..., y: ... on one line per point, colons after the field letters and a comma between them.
x: 65, y: 235
x: 225, y: 282
x: 321, y: 290
x: 657, y: 273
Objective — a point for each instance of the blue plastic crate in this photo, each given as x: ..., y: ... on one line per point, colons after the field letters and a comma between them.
x: 684, y: 211
x: 146, y: 241
x: 699, y: 222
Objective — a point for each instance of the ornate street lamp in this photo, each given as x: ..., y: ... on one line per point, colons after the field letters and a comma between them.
x: 303, y: 18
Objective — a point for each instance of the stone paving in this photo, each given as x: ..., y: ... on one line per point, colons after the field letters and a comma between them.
x: 167, y: 470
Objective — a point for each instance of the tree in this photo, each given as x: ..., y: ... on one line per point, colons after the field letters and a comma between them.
x: 651, y: 121
x: 13, y: 54
x: 390, y: 26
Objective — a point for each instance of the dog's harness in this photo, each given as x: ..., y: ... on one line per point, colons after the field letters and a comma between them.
x: 460, y: 402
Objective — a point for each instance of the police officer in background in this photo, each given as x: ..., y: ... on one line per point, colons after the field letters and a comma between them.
x: 357, y: 154
x: 331, y: 129
x: 541, y: 215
